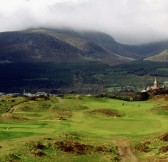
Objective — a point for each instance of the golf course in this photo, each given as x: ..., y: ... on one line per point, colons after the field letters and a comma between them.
x: 83, y: 128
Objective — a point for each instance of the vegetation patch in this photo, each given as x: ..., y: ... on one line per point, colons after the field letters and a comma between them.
x: 163, y: 97
x: 38, y: 145
x: 36, y: 148
x: 75, y: 147
x: 164, y: 137
x: 165, y: 108
x: 37, y: 152
x: 71, y: 146
x: 36, y: 98
x: 68, y: 146
x: 162, y: 110
x: 106, y: 112
x: 143, y: 147
x: 163, y: 149
x: 9, y: 116
x: 126, y: 96
x: 70, y: 135
x: 102, y: 148
x: 154, y: 149
x: 62, y: 113
x: 12, y: 158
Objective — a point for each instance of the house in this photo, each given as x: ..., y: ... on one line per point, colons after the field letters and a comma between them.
x: 41, y: 94
x: 38, y: 94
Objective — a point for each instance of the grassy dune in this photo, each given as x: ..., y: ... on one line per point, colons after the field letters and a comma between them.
x: 93, y: 122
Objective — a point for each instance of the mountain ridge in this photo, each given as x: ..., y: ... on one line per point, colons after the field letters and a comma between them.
x: 50, y: 45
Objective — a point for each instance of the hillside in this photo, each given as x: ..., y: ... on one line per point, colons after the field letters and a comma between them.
x: 108, y: 43
x: 43, y: 45
x: 161, y: 57
x: 52, y: 45
x: 112, y: 46
x: 67, y: 61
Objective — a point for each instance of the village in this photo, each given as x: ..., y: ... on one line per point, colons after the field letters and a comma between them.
x: 148, y: 89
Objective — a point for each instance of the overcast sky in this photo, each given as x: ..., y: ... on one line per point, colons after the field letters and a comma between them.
x: 128, y: 21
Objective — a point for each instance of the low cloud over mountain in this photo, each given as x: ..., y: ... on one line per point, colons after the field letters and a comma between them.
x: 129, y: 21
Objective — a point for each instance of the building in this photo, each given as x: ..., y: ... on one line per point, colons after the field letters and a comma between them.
x: 155, y: 86
x: 38, y: 94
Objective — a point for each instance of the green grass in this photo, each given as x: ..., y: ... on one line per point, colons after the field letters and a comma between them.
x: 15, y: 133
x: 137, y: 122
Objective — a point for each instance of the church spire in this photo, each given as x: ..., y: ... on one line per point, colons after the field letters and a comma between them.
x: 156, y: 85
x: 155, y: 80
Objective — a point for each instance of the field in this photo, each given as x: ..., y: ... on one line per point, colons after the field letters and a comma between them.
x: 82, y: 128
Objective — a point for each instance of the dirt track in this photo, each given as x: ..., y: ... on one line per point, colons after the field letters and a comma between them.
x: 125, y: 150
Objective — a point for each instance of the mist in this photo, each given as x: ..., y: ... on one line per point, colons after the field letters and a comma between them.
x: 128, y: 21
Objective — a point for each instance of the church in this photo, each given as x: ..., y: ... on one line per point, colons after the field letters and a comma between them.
x: 155, y: 86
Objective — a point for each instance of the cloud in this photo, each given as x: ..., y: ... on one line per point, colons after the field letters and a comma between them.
x: 128, y: 21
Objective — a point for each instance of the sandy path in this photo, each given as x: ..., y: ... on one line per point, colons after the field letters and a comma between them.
x: 60, y: 100
x: 125, y: 150
x: 13, y: 109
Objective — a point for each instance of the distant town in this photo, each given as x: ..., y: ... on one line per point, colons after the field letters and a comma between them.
x: 149, y: 90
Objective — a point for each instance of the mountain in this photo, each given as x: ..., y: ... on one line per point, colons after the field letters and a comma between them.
x: 46, y: 45
x: 146, y: 50
x: 68, y: 61
x: 108, y: 43
x: 52, y: 45
x: 161, y: 57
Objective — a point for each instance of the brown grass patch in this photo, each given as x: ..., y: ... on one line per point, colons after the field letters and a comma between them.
x: 160, y: 97
x: 74, y: 147
x: 165, y: 108
x: 106, y: 112
x: 10, y: 116
x: 143, y: 147
x: 163, y: 149
x: 102, y: 148
x: 37, y: 153
x: 39, y: 145
x: 12, y: 158
x: 71, y: 146
x: 62, y: 113
x: 164, y: 137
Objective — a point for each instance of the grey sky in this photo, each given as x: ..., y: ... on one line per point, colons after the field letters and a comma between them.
x: 128, y: 21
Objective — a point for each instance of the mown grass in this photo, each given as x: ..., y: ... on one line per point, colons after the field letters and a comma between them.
x: 70, y: 117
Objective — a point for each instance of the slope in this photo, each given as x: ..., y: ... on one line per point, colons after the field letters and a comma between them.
x: 44, y: 45
x: 132, y: 51
x: 161, y: 57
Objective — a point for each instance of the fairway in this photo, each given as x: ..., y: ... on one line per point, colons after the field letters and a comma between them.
x: 88, y: 118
